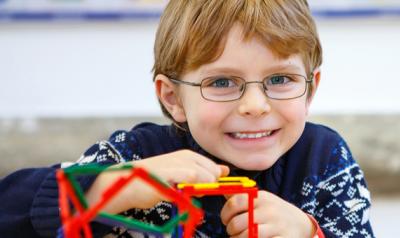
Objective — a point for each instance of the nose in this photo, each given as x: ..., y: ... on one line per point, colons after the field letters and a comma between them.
x: 254, y: 102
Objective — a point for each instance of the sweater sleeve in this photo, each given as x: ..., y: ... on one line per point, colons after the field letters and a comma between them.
x: 29, y: 202
x: 16, y: 198
x: 343, y: 200
x: 29, y: 197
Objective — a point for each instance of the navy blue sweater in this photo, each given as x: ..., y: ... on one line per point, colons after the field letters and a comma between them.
x: 318, y: 175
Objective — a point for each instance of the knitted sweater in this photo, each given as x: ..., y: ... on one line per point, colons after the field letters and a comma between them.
x: 318, y: 175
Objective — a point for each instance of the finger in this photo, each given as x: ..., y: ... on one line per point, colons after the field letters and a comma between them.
x: 236, y: 204
x: 209, y: 165
x: 268, y: 230
x: 238, y: 224
x: 201, y: 174
x: 194, y: 174
x: 224, y: 170
x: 204, y: 175
x: 244, y: 234
x: 263, y: 230
x: 228, y: 196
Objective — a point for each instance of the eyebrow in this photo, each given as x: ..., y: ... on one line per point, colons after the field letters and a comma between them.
x: 221, y: 70
x: 235, y: 71
x: 285, y: 67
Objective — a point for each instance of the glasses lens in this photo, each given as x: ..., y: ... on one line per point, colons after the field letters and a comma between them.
x: 222, y: 88
x: 285, y: 86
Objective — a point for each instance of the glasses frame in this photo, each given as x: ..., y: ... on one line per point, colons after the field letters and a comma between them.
x: 308, y: 81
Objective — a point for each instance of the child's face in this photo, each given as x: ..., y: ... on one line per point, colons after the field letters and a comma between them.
x: 223, y: 128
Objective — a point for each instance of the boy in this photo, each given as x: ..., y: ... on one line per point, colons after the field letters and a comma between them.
x: 236, y: 77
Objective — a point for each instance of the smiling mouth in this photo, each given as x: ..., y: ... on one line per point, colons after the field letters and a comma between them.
x: 251, y: 135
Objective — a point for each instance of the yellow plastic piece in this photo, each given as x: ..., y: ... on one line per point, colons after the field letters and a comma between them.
x: 226, y: 181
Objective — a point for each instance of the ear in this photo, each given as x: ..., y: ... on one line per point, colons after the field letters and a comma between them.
x: 167, y: 93
x: 316, y: 76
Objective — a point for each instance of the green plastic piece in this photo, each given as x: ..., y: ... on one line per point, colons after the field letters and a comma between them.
x: 93, y: 169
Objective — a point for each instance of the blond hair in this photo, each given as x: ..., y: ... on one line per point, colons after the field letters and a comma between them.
x: 193, y: 32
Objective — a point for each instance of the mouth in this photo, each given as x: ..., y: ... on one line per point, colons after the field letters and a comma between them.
x: 251, y: 135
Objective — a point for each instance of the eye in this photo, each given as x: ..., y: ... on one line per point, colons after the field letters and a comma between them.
x: 220, y: 82
x: 278, y: 80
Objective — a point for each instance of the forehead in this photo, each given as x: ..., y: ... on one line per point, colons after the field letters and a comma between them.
x: 251, y: 54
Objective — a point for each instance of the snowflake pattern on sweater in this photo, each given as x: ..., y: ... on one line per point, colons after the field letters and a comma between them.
x: 337, y: 196
x: 340, y: 200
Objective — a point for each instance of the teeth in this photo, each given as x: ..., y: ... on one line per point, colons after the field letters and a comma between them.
x: 251, y: 135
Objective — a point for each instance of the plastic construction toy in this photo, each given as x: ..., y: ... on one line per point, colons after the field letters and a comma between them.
x: 76, y: 223
x: 228, y: 185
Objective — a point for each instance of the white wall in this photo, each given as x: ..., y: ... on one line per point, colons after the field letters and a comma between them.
x: 103, y: 69
x: 361, y: 67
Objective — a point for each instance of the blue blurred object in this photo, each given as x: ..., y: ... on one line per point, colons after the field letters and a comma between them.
x: 18, y: 10
x: 21, y: 10
x: 100, y: 16
x: 362, y: 12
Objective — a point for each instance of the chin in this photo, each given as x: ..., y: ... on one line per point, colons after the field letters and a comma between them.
x: 256, y: 164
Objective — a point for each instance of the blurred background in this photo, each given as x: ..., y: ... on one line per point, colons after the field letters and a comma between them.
x: 72, y: 72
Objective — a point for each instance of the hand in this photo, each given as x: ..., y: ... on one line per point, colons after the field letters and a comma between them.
x: 275, y: 217
x: 176, y: 167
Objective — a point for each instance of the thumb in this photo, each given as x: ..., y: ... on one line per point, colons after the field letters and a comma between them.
x: 224, y: 170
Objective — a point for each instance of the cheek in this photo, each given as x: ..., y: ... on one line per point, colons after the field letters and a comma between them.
x: 294, y: 111
x: 207, y: 115
x: 294, y: 116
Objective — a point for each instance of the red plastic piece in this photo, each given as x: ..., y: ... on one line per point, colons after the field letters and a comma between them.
x: 230, y: 189
x: 75, y: 223
x: 72, y: 224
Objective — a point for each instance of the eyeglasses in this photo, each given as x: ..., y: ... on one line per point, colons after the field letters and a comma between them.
x: 231, y: 88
